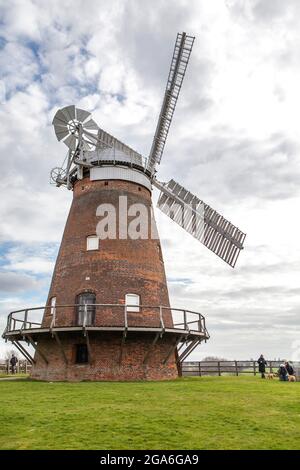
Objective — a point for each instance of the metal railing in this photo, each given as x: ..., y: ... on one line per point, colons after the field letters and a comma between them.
x: 106, y: 315
x: 116, y: 155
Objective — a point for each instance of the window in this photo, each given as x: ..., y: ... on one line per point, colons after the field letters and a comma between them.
x: 134, y: 301
x: 52, y: 304
x: 92, y: 243
x: 82, y: 355
x: 86, y: 308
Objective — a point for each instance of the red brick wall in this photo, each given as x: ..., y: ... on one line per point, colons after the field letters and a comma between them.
x: 106, y: 353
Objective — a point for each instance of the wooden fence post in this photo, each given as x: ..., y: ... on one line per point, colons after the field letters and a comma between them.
x: 219, y: 368
x: 236, y: 368
x: 200, y: 374
x: 254, y: 367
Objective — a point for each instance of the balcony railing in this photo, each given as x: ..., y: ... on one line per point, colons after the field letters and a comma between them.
x: 106, y: 316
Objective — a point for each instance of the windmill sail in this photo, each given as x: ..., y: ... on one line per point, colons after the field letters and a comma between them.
x: 180, y: 59
x: 66, y: 124
x: 201, y: 221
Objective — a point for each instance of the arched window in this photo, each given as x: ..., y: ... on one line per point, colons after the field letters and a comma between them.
x: 92, y: 242
x: 133, y: 300
x: 86, y: 309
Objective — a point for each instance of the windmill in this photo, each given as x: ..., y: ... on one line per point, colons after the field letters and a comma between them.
x: 108, y: 314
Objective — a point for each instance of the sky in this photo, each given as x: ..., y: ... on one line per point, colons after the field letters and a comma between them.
x: 234, y: 142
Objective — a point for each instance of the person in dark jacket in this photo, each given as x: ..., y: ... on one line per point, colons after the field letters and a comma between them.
x: 262, y: 366
x: 13, y: 363
x: 282, y: 373
x: 289, y: 368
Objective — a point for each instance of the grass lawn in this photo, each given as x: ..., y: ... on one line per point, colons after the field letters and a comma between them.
x: 190, y: 413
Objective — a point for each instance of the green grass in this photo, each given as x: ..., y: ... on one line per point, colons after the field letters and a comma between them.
x: 190, y: 413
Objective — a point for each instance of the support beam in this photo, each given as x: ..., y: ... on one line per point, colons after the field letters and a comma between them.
x: 122, y: 346
x: 147, y: 355
x: 189, y: 349
x: 162, y: 323
x: 37, y: 349
x: 181, y: 346
x: 23, y: 351
x: 88, y: 344
x: 55, y: 335
x: 172, y: 349
x: 186, y: 344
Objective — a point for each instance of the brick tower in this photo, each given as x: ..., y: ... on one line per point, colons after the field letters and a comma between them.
x: 108, y: 315
x: 113, y: 273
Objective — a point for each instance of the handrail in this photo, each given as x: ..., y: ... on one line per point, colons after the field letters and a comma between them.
x: 186, y: 325
x: 107, y: 305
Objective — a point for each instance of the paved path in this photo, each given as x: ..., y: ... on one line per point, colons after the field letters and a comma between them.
x: 12, y: 378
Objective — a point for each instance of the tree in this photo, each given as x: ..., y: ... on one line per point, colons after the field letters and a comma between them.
x: 9, y: 353
x: 213, y: 358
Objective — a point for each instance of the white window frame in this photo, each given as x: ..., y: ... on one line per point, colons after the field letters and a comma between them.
x: 53, y: 305
x: 132, y: 300
x: 92, y: 243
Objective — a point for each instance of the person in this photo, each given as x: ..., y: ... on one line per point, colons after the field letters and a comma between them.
x: 289, y: 368
x: 13, y: 363
x: 282, y: 373
x: 262, y: 366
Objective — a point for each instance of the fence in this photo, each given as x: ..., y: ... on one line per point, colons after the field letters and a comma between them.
x: 22, y: 367
x: 231, y: 367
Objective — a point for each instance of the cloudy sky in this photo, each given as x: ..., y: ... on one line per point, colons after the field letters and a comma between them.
x: 234, y: 142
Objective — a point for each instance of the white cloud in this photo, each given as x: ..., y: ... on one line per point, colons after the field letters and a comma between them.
x: 18, y: 66
x: 13, y: 282
x: 21, y: 18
